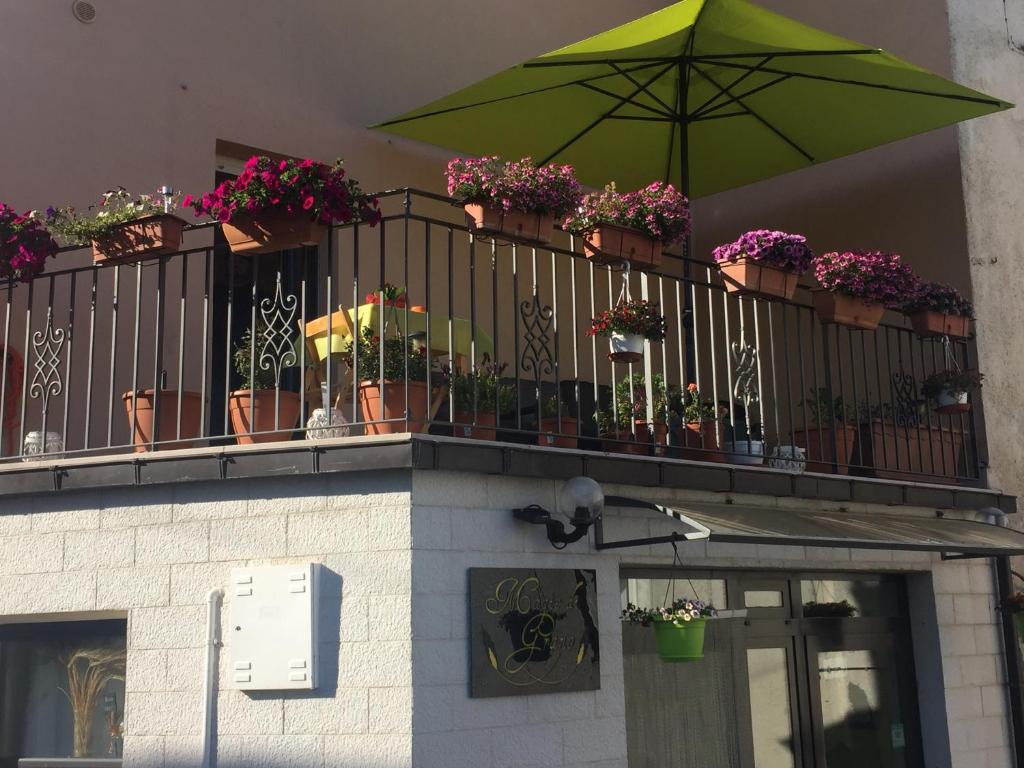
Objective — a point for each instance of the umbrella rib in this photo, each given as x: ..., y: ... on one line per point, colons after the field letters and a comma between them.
x: 737, y: 113
x: 498, y: 99
x: 611, y: 94
x: 865, y: 84
x: 603, y: 117
x: 708, y: 102
x: 710, y: 56
x: 756, y: 116
x: 653, y: 95
x: 700, y: 114
x: 644, y: 118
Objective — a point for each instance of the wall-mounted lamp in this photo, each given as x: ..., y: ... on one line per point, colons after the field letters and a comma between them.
x: 580, y: 500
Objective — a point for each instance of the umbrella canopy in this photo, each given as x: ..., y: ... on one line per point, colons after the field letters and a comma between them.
x: 706, y: 94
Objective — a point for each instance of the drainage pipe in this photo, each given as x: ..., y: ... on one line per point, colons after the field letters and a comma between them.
x: 213, y: 644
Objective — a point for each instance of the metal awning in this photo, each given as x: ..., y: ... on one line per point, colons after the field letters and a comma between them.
x: 731, y: 523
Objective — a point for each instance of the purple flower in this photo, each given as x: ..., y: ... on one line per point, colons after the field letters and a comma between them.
x: 771, y: 247
x: 873, y: 276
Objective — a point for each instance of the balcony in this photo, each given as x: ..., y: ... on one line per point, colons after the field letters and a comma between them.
x: 96, y: 356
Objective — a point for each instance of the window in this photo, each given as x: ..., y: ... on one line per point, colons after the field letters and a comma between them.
x: 61, y: 690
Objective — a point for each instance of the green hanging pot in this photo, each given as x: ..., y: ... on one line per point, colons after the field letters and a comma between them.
x: 680, y: 641
x: 1018, y: 620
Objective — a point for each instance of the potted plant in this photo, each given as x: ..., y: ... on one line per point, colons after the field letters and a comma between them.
x: 833, y: 435
x: 840, y: 610
x: 479, y: 392
x: 949, y: 389
x: 744, y: 443
x: 273, y: 206
x: 699, y: 423
x: 25, y: 245
x: 631, y: 398
x: 124, y: 228
x: 631, y: 227
x: 557, y: 428
x: 764, y: 262
x: 382, y: 392
x: 260, y: 406
x: 149, y: 434
x: 617, y: 432
x: 514, y: 200
x: 858, y: 286
x: 627, y: 325
x: 678, y: 629
x: 939, y: 310
x: 1014, y: 605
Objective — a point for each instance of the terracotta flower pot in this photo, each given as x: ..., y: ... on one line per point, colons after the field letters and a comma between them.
x: 513, y: 226
x: 144, y: 238
x: 952, y: 402
x: 263, y: 405
x: 484, y: 429
x: 551, y: 436
x: 846, y: 310
x: 270, y: 230
x: 913, y: 453
x: 191, y: 418
x: 611, y: 244
x: 623, y: 443
x: 643, y: 435
x: 817, y: 442
x: 927, y: 324
x: 625, y: 347
x: 386, y: 416
x: 747, y: 276
x: 699, y: 442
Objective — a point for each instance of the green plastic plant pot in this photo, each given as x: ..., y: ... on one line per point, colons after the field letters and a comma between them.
x: 683, y: 641
x: 1018, y: 621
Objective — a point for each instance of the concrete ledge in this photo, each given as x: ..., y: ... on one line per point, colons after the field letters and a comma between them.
x: 429, y: 452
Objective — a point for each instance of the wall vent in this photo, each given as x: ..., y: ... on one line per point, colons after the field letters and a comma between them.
x: 83, y: 11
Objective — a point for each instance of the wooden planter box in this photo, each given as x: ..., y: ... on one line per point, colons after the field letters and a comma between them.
x: 817, y: 444
x: 270, y: 231
x: 928, y: 324
x: 611, y: 245
x: 513, y: 226
x: 845, y: 310
x: 747, y: 276
x: 922, y: 454
x: 144, y: 238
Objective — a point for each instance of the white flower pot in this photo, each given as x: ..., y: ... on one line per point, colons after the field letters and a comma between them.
x: 951, y: 402
x: 791, y: 458
x: 626, y: 347
x: 745, y: 452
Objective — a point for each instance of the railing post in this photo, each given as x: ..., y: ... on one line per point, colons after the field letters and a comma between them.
x: 827, y: 372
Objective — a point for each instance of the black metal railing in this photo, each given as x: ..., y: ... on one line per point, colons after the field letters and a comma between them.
x: 156, y: 355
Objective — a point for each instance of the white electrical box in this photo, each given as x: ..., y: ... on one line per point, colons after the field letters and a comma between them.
x: 273, y: 632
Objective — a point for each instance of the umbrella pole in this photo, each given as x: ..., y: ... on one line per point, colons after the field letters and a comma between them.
x: 684, y: 187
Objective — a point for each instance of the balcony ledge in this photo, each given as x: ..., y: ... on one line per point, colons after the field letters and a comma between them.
x: 432, y: 452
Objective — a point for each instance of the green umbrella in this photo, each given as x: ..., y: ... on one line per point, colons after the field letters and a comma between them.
x: 751, y: 93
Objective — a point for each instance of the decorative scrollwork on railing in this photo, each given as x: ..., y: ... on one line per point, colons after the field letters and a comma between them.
x: 537, y: 320
x: 744, y: 358
x: 905, y: 410
x: 47, y: 345
x: 277, y: 347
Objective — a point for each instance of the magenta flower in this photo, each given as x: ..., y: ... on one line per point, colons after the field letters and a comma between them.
x: 657, y: 210
x: 25, y: 244
x: 873, y: 276
x: 773, y: 248
x: 514, y: 186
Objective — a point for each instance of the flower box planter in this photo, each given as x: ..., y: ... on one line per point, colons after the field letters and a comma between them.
x: 699, y: 442
x: 625, y: 347
x: 747, y: 276
x: 145, y: 401
x: 949, y: 402
x: 268, y: 413
x: 846, y: 310
x: 386, y: 415
x: 623, y: 443
x: 514, y: 226
x: 483, y: 429
x: 553, y: 437
x: 929, y: 324
x: 922, y: 453
x: 680, y: 641
x: 610, y: 244
x: 817, y: 442
x: 269, y: 231
x: 144, y: 238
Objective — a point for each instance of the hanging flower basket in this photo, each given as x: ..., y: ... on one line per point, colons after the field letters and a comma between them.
x: 680, y: 641
x: 609, y: 244
x: 764, y: 262
x: 625, y: 347
x: 949, y: 389
x: 939, y: 310
x: 948, y: 401
x: 846, y: 310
